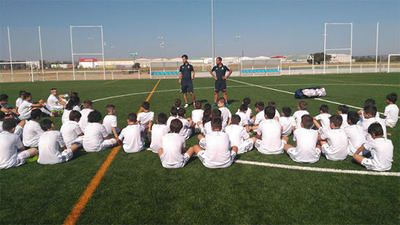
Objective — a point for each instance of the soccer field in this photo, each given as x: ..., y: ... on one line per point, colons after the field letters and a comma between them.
x: 137, y: 189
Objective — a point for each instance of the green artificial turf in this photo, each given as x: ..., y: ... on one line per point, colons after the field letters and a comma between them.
x: 137, y: 190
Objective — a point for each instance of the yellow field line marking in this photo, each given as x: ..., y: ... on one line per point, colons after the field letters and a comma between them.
x: 80, y: 205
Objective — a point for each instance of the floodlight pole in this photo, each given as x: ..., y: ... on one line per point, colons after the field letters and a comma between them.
x: 377, y: 47
x: 40, y: 48
x: 325, y: 48
x: 212, y: 33
x: 102, y: 52
x: 351, y: 46
x: 10, y: 53
x: 72, y: 53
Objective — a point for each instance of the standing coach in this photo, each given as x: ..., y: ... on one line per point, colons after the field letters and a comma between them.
x: 218, y: 72
x: 186, y: 77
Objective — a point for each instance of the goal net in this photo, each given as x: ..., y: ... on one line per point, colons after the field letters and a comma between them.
x: 393, y: 64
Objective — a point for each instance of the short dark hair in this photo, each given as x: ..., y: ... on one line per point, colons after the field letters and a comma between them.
x: 178, y: 103
x: 87, y: 103
x: 343, y: 109
x: 175, y: 126
x: 219, y: 58
x: 2, y: 115
x: 222, y: 99
x: 246, y: 101
x: 75, y: 115
x: 375, y: 129
x: 9, y: 124
x: 162, y: 118
x: 36, y: 114
x: 207, y: 106
x: 307, y: 121
x: 303, y: 105
x: 216, y: 113
x: 197, y: 105
x: 174, y: 111
x: 94, y: 116
x: 369, y: 102
x: 146, y: 105
x: 370, y: 109
x: 206, y: 116
x: 46, y: 124
x: 287, y: 111
x: 392, y: 97
x: 72, y: 102
x: 259, y: 105
x: 3, y: 97
x: 216, y: 123
x: 271, y: 103
x: 53, y: 88
x: 132, y: 117
x: 26, y: 95
x: 337, y: 120
x: 269, y: 112
x: 324, y: 108
x: 184, y: 56
x: 353, y: 117
x: 243, y: 107
x: 181, y: 112
x: 110, y: 106
x: 235, y: 119
x: 21, y: 92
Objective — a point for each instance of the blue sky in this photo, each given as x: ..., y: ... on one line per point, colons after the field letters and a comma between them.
x: 279, y: 27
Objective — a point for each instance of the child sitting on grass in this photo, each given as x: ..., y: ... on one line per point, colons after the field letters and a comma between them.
x: 131, y: 136
x: 158, y: 130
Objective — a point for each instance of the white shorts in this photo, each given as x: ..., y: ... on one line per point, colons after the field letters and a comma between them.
x: 262, y: 150
x: 245, y: 146
x: 186, y: 158
x: 294, y: 154
x: 212, y: 165
x: 370, y: 165
x: 106, y: 144
x: 390, y: 123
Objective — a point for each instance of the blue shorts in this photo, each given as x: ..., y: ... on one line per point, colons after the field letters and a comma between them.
x: 187, y: 87
x: 220, y: 85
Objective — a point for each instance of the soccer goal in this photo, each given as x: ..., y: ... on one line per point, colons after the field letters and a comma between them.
x: 164, y: 69
x: 19, y: 71
x: 260, y: 67
x: 396, y: 66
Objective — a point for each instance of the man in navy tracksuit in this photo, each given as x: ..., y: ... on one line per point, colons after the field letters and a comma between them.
x: 186, y: 76
x: 218, y: 72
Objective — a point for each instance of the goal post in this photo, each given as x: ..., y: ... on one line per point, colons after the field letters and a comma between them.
x: 389, y: 60
x: 95, y: 53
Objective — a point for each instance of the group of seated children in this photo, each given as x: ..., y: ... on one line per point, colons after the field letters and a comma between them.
x: 221, y: 135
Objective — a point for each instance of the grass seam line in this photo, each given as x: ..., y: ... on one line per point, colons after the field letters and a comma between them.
x: 79, y: 207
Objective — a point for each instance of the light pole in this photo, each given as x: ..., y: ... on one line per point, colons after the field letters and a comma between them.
x: 212, y: 34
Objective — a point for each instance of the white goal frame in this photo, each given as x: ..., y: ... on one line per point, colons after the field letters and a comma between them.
x: 349, y: 49
x: 389, y: 56
x: 74, y: 53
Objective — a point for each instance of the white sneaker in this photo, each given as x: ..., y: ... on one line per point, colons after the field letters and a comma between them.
x: 186, y: 105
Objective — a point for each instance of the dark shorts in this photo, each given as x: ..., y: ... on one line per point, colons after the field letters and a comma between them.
x: 187, y: 87
x: 220, y: 85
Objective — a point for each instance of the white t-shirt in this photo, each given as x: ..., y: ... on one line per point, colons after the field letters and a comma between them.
x: 24, y: 110
x: 226, y: 115
x: 197, y: 115
x: 337, y: 141
x: 1, y: 126
x: 18, y: 102
x: 244, y: 119
x: 392, y: 115
x: 237, y: 134
x: 259, y: 117
x: 95, y: 133
x: 217, y: 150
x: 324, y: 119
x: 287, y: 124
x: 157, y: 132
x: 84, y: 118
x: 355, y: 136
x: 365, y: 123
x: 185, y: 131
x: 344, y: 123
x: 70, y: 131
x: 173, y: 145
x: 297, y: 116
x: 31, y: 133
x: 248, y: 112
x: 109, y: 122
x: 381, y: 154
x: 170, y: 119
x: 131, y: 137
x: 206, y: 129
x: 53, y: 103
x: 270, y: 131
x: 50, y: 147
x: 306, y: 143
x: 145, y: 117
x: 10, y: 144
x: 65, y: 116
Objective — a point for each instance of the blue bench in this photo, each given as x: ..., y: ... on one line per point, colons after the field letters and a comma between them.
x: 164, y: 73
x: 251, y: 71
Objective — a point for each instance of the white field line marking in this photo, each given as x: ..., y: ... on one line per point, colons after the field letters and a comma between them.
x: 319, y: 169
x: 340, y: 84
x: 292, y: 93
x: 160, y: 91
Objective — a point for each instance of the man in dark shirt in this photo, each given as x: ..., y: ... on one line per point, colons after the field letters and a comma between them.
x: 218, y: 72
x: 186, y: 76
